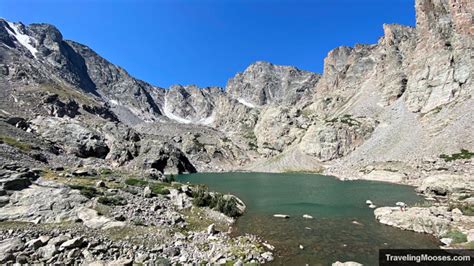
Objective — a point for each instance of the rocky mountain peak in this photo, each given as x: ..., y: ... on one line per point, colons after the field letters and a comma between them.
x: 395, y: 33
x: 264, y: 83
x: 337, y: 59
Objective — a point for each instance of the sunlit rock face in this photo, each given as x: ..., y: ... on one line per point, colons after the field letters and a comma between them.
x: 264, y: 83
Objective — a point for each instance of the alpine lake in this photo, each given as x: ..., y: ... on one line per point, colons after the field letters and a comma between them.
x: 343, y: 227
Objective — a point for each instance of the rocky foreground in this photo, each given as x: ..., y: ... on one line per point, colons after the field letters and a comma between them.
x: 87, y: 217
x: 448, y: 212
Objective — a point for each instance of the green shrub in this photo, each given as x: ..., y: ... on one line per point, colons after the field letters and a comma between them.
x: 159, y: 189
x: 105, y: 171
x: 169, y: 179
x: 136, y: 182
x: 88, y: 192
x: 112, y: 201
x: 227, y: 206
x: 464, y: 154
x: 456, y: 236
x: 201, y: 197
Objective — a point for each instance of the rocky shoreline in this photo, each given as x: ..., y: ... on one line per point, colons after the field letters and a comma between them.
x: 82, y: 217
x: 447, y: 212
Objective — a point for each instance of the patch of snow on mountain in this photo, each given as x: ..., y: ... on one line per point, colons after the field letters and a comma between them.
x: 244, y: 102
x: 23, y: 39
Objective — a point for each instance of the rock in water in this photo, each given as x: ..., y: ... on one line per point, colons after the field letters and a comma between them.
x: 307, y: 216
x: 281, y: 216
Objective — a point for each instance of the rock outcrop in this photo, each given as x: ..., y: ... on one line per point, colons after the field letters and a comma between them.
x: 263, y: 83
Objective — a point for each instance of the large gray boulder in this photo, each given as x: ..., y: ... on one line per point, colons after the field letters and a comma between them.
x: 74, y: 137
x: 434, y: 220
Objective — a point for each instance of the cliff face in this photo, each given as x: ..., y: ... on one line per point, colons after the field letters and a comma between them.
x: 263, y: 83
x: 401, y: 102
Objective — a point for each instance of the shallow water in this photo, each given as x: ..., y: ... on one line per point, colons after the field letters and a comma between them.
x: 334, y: 204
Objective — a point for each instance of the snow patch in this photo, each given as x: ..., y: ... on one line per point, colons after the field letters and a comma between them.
x: 23, y: 39
x: 244, y: 102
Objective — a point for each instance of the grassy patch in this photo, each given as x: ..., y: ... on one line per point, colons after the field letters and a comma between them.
x: 68, y: 93
x: 15, y: 143
x: 112, y: 201
x: 464, y: 154
x: 136, y: 182
x: 159, y: 189
x: 156, y: 187
x: 469, y: 245
x: 456, y: 236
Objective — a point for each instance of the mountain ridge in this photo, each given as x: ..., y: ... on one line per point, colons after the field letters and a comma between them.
x: 269, y: 111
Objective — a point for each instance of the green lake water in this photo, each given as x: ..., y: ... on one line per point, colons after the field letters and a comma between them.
x: 334, y: 204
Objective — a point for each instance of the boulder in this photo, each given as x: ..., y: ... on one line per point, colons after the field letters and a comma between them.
x: 433, y: 220
x: 47, y: 251
x: 445, y: 184
x: 211, y: 230
x: 11, y: 245
x: 147, y: 193
x: 72, y: 243
x: 281, y: 216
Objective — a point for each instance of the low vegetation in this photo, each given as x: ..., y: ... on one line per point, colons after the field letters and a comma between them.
x: 346, y: 119
x: 112, y: 201
x: 159, y: 189
x: 15, y: 143
x: 464, y: 154
x: 216, y: 201
x: 456, y: 236
x: 136, y: 182
x: 465, y: 208
x: 156, y: 187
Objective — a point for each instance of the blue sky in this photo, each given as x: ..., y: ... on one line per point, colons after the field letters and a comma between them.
x: 207, y: 42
